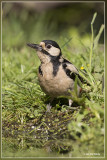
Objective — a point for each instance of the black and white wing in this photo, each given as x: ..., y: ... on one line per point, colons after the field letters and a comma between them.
x: 71, y: 71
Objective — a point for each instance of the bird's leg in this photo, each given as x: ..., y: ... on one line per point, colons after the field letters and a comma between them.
x: 70, y: 102
x: 48, y: 107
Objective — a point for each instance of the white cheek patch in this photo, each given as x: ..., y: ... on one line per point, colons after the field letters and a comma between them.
x: 54, y: 51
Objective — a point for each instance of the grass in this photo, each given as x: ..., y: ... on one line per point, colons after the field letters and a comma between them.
x: 24, y: 103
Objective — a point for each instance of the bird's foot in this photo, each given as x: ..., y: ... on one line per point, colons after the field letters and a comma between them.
x: 70, y: 102
x: 72, y: 107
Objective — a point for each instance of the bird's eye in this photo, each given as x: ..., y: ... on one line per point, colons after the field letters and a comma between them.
x: 48, y: 46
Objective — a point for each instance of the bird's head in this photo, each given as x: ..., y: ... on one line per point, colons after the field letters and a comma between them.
x: 47, y: 50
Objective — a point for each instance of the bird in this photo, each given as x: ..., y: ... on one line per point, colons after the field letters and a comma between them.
x: 56, y: 75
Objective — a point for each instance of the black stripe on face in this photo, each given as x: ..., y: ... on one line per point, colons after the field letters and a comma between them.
x: 45, y: 52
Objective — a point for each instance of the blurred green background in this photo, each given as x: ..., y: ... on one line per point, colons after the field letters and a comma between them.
x: 33, y: 22
x: 72, y: 132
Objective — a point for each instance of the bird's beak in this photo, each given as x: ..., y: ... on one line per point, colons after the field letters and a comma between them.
x: 35, y: 46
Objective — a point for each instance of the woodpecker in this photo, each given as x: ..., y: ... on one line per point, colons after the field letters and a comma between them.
x: 56, y: 74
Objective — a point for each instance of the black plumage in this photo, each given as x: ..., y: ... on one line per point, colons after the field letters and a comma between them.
x: 53, y: 43
x: 40, y: 71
